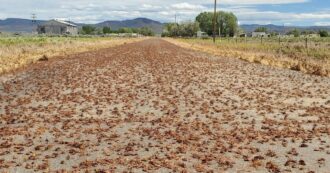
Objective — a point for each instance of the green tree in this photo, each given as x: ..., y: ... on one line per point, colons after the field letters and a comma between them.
x: 146, y: 31
x: 261, y: 29
x: 171, y: 30
x: 106, y: 30
x: 324, y: 33
x: 186, y: 29
x: 227, y: 22
x: 88, y: 29
x: 294, y: 32
x: 125, y: 30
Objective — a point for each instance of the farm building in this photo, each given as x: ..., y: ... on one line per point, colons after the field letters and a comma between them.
x: 201, y: 34
x: 57, y: 27
x: 260, y: 34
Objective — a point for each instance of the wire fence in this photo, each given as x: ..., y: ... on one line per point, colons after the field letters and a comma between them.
x: 281, y: 41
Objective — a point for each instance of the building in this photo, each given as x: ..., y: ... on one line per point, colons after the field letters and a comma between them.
x: 260, y: 34
x: 201, y: 34
x: 57, y: 27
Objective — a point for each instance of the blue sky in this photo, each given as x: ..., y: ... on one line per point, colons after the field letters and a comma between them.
x: 287, y: 12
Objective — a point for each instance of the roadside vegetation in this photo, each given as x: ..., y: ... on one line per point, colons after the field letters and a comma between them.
x: 307, y: 51
x: 19, y: 51
x: 290, y: 53
x: 92, y: 30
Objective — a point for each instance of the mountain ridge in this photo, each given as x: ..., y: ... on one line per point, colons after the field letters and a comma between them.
x: 26, y: 26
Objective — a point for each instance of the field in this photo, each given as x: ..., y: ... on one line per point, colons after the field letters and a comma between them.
x: 19, y: 51
x: 289, y: 53
x: 152, y: 106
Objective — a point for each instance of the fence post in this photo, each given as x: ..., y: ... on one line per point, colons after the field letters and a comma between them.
x: 261, y: 40
x: 306, y: 43
x: 236, y: 40
x: 279, y: 40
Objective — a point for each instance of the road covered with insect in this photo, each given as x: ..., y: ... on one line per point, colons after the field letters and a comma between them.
x: 152, y: 106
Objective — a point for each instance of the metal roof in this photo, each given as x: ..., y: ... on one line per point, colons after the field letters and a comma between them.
x: 61, y: 22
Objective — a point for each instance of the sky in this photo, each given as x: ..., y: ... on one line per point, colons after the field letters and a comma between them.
x: 279, y: 12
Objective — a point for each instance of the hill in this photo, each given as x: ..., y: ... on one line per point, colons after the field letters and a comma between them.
x: 156, y: 26
x: 25, y: 25
x: 18, y: 25
x: 282, y: 29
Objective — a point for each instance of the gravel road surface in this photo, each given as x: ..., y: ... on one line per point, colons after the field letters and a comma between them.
x: 152, y: 106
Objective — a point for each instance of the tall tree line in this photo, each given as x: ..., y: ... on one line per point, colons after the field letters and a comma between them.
x: 226, y: 24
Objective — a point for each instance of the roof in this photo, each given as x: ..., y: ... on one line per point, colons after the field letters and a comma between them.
x: 64, y: 22
x: 61, y: 22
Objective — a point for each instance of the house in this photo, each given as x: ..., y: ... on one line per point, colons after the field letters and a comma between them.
x: 260, y: 34
x: 201, y: 34
x: 286, y: 36
x: 57, y: 27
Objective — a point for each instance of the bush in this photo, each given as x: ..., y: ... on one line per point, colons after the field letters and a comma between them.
x: 261, y: 29
x: 88, y: 29
x: 324, y: 33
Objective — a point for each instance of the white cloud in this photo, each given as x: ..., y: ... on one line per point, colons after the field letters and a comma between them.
x: 187, y: 6
x: 254, y: 2
x: 93, y: 11
x: 322, y: 23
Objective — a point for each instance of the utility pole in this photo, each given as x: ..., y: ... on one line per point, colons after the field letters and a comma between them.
x: 175, y: 18
x: 34, y: 21
x: 214, y: 20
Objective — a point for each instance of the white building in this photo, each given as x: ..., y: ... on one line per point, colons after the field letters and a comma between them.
x: 201, y: 34
x: 260, y: 34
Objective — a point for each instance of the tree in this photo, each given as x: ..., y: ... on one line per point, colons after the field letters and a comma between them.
x: 106, y: 30
x: 261, y: 29
x: 227, y: 22
x: 146, y: 31
x: 88, y: 29
x: 186, y: 29
x: 324, y: 33
x: 294, y: 32
x: 306, y: 32
x: 125, y: 30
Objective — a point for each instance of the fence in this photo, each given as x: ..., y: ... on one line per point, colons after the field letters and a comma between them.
x: 281, y: 41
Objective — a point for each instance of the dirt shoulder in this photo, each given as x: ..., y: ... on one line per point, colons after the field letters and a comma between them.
x: 306, y: 65
x: 152, y: 106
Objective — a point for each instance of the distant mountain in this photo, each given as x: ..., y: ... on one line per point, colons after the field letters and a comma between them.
x: 18, y: 25
x: 26, y: 25
x: 282, y: 29
x: 156, y: 26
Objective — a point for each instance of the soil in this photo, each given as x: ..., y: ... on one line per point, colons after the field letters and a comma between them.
x: 152, y: 106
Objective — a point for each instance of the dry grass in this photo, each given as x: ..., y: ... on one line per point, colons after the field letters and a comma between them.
x: 16, y: 52
x: 315, y: 60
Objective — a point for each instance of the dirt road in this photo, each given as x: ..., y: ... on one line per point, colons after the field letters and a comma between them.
x: 154, y: 107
